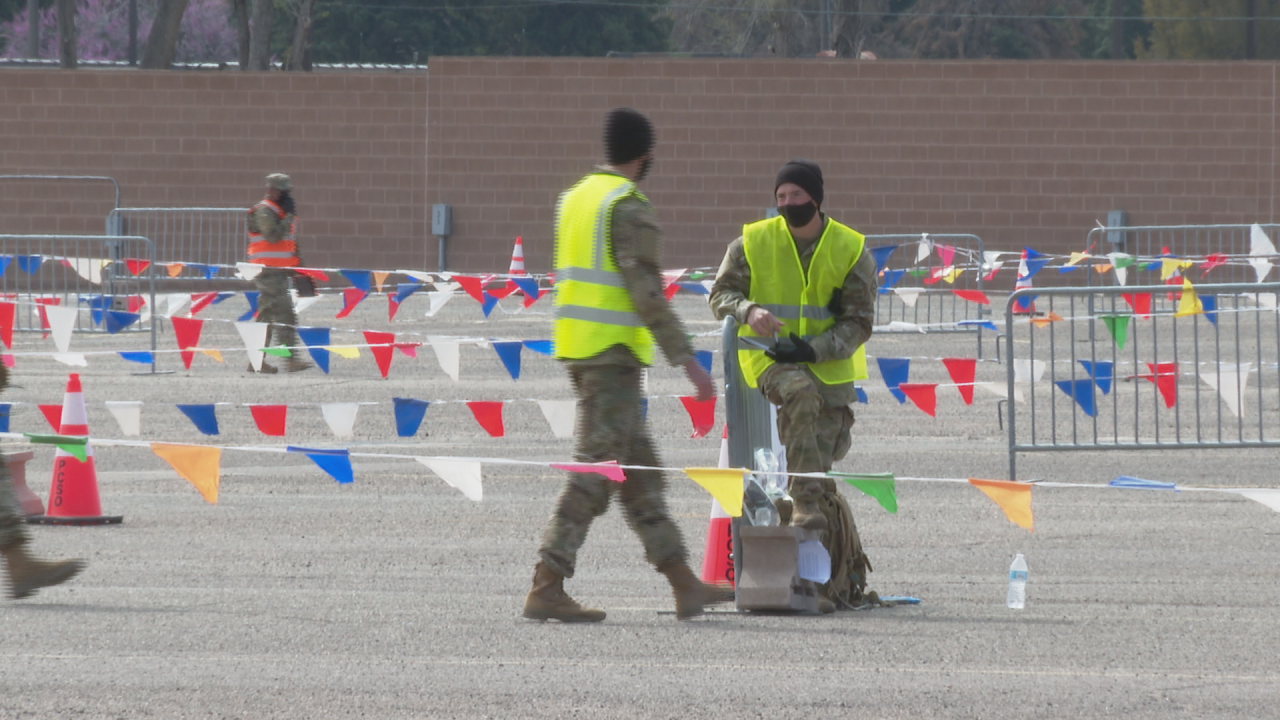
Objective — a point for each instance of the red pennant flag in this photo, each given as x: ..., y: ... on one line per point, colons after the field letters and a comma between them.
x: 52, y: 413
x: 1211, y: 261
x: 136, y: 265
x: 473, y: 285
x: 200, y: 301
x: 392, y: 307
x: 135, y: 303
x: 1165, y: 376
x: 44, y: 317
x: 671, y: 290
x: 489, y: 414
x: 187, y: 332
x: 7, y: 311
x: 1140, y: 303
x: 317, y: 275
x: 973, y: 296
x: 382, y: 345
x: 409, y: 349
x: 703, y: 414
x: 529, y: 301
x: 351, y: 297
x: 270, y: 418
x: 503, y: 291
x: 923, y: 395
x: 962, y: 373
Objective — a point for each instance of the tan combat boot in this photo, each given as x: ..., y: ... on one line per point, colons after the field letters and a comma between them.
x: 293, y: 365
x: 805, y: 494
x: 692, y: 595
x: 548, y: 600
x: 26, y: 574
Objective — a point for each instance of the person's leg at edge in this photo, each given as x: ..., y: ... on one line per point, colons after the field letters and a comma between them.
x: 26, y: 573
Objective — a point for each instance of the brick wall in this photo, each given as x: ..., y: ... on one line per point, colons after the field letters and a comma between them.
x: 1018, y: 153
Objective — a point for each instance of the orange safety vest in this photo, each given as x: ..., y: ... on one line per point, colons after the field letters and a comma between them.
x: 272, y: 254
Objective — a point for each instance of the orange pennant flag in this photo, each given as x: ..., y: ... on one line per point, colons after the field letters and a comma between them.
x: 379, y: 278
x: 196, y: 464
x: 1013, y: 498
x: 175, y: 269
x: 1052, y: 317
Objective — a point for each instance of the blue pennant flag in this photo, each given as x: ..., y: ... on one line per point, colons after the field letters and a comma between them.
x: 409, y: 414
x: 29, y: 264
x: 987, y: 324
x: 1033, y: 267
x: 97, y: 303
x: 4, y: 264
x: 4, y: 417
x: 489, y: 302
x: 542, y: 347
x: 1082, y: 391
x: 891, y: 278
x: 404, y: 290
x: 358, y: 278
x: 881, y: 254
x: 644, y: 409
x: 221, y: 296
x: 252, y: 297
x: 337, y: 463
x: 1124, y: 481
x: 1023, y: 302
x: 695, y: 288
x: 509, y: 353
x: 117, y: 320
x: 862, y: 394
x: 138, y: 356
x: 203, y: 416
x: 705, y: 358
x: 1101, y: 374
x: 207, y: 270
x: 895, y: 371
x: 1209, y: 303
x: 528, y: 286
x: 315, y: 338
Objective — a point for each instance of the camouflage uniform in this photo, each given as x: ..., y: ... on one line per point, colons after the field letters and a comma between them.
x: 814, y: 419
x: 275, y: 305
x: 13, y: 521
x: 610, y: 424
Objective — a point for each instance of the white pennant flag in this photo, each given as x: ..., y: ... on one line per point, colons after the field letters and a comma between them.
x: 174, y: 302
x: 419, y: 275
x: 461, y: 474
x: 62, y: 321
x: 909, y: 295
x: 248, y: 271
x: 446, y: 354
x: 1259, y: 247
x: 924, y: 248
x: 1267, y: 496
x: 1025, y: 371
x: 76, y: 359
x: 561, y: 416
x: 438, y: 298
x: 341, y: 417
x: 128, y: 415
x: 1122, y: 273
x: 144, y: 312
x: 254, y: 335
x: 1229, y: 379
x: 91, y: 268
x: 1265, y: 300
x: 1001, y: 390
x: 301, y: 304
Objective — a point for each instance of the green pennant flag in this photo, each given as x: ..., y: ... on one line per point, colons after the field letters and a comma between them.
x: 697, y: 275
x: 917, y: 272
x: 70, y: 444
x: 1122, y: 261
x: 879, y: 486
x: 1118, y: 325
x: 280, y: 352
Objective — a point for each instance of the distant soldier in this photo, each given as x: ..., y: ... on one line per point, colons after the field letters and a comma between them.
x: 610, y: 309
x: 26, y: 574
x: 272, y: 223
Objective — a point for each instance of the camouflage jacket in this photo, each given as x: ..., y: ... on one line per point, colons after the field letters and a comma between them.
x: 636, y: 243
x: 263, y: 219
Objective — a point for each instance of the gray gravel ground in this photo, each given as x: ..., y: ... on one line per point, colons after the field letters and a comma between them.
x: 396, y: 597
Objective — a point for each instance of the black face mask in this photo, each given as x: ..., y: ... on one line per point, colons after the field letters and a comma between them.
x: 644, y: 168
x: 798, y: 216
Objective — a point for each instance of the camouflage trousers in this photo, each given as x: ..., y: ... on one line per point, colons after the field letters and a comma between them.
x: 611, y: 426
x: 13, y: 522
x: 275, y: 306
x: 815, y: 424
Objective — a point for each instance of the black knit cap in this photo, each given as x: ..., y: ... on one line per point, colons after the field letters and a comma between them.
x: 804, y: 173
x: 628, y: 135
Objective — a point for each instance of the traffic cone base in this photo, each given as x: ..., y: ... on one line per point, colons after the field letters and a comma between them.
x: 73, y: 494
x: 717, y: 557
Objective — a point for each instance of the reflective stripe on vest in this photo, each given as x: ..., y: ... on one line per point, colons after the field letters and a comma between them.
x: 797, y: 298
x: 593, y: 309
x: 272, y: 254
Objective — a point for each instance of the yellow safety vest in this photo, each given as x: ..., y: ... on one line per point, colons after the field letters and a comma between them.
x: 593, y: 309
x: 798, y: 299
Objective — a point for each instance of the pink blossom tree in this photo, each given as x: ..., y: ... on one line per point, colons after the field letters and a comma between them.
x: 207, y: 34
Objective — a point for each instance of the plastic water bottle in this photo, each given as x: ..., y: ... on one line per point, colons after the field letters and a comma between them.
x: 1017, y: 598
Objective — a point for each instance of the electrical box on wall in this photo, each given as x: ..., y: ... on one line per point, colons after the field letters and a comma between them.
x: 441, y: 220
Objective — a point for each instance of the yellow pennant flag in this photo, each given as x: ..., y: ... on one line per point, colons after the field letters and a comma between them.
x: 215, y: 354
x: 380, y: 277
x: 1052, y: 317
x: 1076, y: 257
x: 951, y: 276
x: 175, y: 269
x: 1190, y: 303
x: 197, y: 464
x: 1013, y: 498
x: 349, y: 352
x: 724, y: 484
x: 1172, y: 266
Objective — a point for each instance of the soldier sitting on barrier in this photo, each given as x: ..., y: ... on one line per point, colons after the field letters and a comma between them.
x: 272, y: 223
x: 805, y: 277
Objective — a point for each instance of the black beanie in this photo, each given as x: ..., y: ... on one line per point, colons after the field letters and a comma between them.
x: 804, y: 173
x: 628, y: 135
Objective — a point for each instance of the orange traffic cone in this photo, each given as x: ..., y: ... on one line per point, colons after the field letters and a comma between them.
x: 517, y: 258
x: 717, y: 558
x: 73, y: 496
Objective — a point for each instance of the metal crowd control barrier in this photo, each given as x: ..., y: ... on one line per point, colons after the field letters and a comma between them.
x: 1149, y: 380
x: 209, y: 236
x: 111, y: 180
x: 75, y: 270
x: 1184, y: 241
x: 936, y: 308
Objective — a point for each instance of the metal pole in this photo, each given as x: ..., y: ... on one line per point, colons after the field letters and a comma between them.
x: 133, y: 32
x: 33, y: 29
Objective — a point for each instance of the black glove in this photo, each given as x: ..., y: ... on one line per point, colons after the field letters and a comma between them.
x: 835, y: 306
x: 795, y: 350
x: 286, y: 204
x: 304, y: 284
